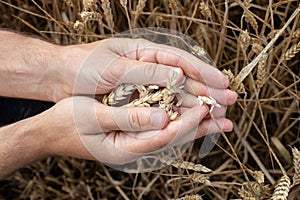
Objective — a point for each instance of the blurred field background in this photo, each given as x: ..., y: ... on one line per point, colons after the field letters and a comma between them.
x: 247, y: 163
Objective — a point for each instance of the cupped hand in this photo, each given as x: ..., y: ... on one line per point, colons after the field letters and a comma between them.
x: 97, y: 68
x: 82, y: 127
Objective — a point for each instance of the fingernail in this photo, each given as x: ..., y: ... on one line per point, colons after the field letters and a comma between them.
x: 157, y: 119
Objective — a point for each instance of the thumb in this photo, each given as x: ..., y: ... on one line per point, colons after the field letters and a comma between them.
x: 131, y: 118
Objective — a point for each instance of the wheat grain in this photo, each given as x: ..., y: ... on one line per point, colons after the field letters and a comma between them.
x: 296, y: 162
x: 204, y: 9
x: 291, y: 53
x: 261, y: 71
x: 282, y: 189
x: 108, y: 13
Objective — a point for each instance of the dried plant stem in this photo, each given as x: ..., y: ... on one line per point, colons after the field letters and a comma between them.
x: 247, y: 69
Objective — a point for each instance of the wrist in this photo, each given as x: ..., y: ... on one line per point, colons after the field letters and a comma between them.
x: 24, y: 144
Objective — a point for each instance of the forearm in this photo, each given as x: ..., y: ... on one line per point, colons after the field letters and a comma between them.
x: 20, y: 144
x: 28, y: 68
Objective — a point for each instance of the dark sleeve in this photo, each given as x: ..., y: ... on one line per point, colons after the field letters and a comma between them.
x: 12, y: 110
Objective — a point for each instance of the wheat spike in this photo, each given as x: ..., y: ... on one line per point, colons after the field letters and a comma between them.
x: 244, y: 39
x: 200, y: 178
x: 89, y: 5
x: 257, y: 48
x: 240, y: 88
x: 87, y: 16
x: 296, y: 161
x: 261, y: 71
x: 173, y: 5
x: 253, y: 190
x: 139, y: 8
x: 251, y: 20
x: 282, y: 189
x: 185, y: 165
x: 291, y: 53
x: 204, y: 9
x: 108, y: 13
x: 69, y: 3
x: 120, y: 93
x: 259, y: 177
x: 296, y: 34
x: 192, y: 197
x: 78, y: 26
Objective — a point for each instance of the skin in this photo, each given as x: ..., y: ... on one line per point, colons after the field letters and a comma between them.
x: 34, y: 69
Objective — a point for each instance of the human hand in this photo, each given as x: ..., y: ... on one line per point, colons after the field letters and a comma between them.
x: 97, y: 68
x: 82, y: 127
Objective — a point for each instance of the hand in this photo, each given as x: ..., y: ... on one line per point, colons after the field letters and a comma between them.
x: 82, y: 127
x: 99, y: 67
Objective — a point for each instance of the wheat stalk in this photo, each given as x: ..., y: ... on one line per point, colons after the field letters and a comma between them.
x: 282, y: 189
x: 291, y: 53
x: 247, y: 69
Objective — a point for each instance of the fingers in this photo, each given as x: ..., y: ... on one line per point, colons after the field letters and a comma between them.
x: 125, y: 70
x: 150, y: 141
x: 192, y: 66
x: 225, y: 97
x: 130, y: 119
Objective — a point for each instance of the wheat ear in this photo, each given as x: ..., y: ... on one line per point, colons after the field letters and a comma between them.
x: 282, y: 189
x: 108, y: 13
x: 291, y: 53
x: 296, y: 161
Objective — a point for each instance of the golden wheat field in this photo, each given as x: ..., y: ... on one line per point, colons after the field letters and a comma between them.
x: 255, y: 43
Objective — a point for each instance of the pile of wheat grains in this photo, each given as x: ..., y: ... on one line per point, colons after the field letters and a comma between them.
x: 255, y: 43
